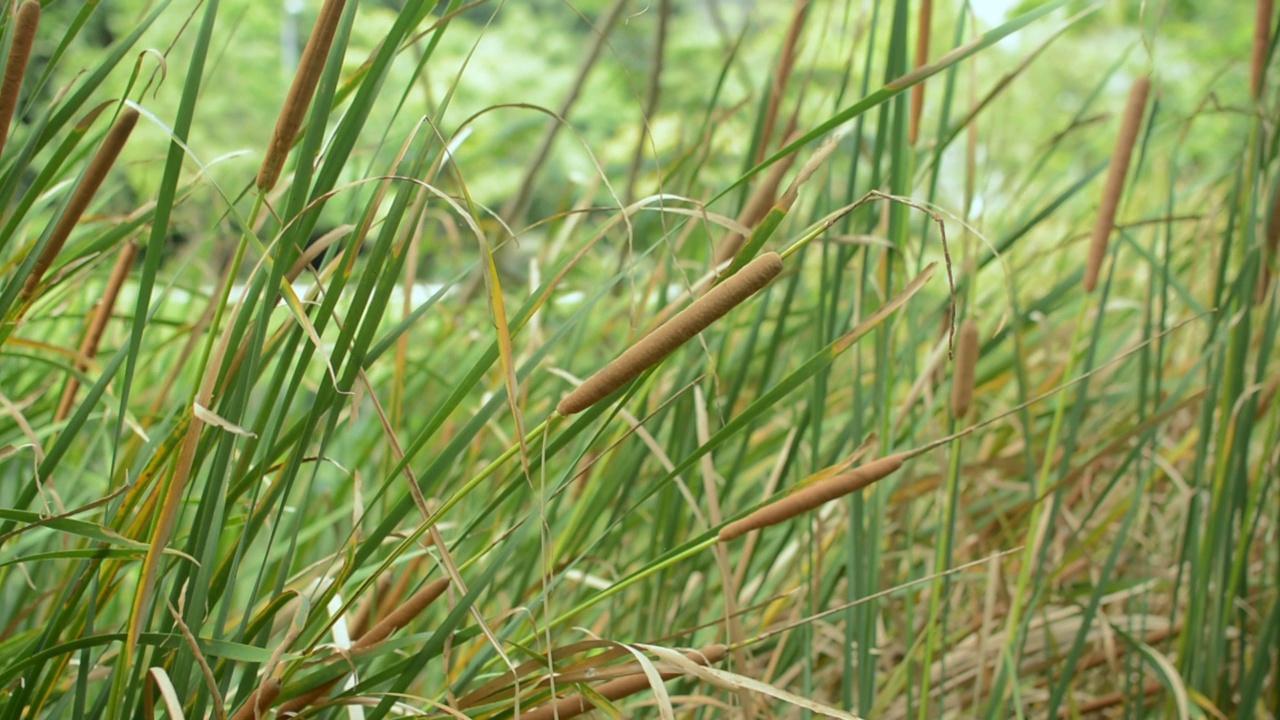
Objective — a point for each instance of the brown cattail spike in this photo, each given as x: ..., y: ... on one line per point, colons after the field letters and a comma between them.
x: 80, y: 197
x: 310, y: 67
x: 575, y: 705
x: 402, y: 615
x: 1261, y: 40
x: 672, y: 334
x: 966, y: 361
x: 813, y: 496
x: 923, y: 28
x: 259, y: 701
x: 24, y: 37
x: 394, y: 620
x: 1115, y: 179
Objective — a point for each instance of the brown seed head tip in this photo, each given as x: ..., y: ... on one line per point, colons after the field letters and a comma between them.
x: 966, y: 362
x: 714, y: 653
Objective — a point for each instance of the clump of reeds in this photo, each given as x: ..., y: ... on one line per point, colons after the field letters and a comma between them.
x: 259, y: 701
x: 810, y: 497
x: 24, y: 38
x: 664, y: 339
x: 575, y: 705
x: 394, y: 620
x: 80, y: 197
x: 310, y: 67
x: 1129, y: 127
x: 1261, y: 41
x: 966, y: 362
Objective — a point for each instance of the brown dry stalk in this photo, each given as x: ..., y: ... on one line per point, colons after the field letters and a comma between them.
x: 24, y: 37
x: 310, y: 67
x: 80, y: 197
x: 1115, y: 179
x: 966, y: 361
x: 814, y: 495
x: 259, y: 701
x: 922, y: 58
x: 98, y: 324
x: 1261, y: 39
x: 575, y: 705
x: 672, y: 334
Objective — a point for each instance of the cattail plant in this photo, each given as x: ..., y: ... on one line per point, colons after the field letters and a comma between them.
x: 259, y: 701
x: 298, y: 100
x: 1115, y: 179
x: 808, y: 498
x: 24, y: 37
x: 755, y: 209
x: 923, y: 28
x: 396, y: 619
x: 664, y: 339
x: 966, y: 361
x: 97, y: 325
x: 80, y: 197
x: 575, y: 705
x: 1261, y: 41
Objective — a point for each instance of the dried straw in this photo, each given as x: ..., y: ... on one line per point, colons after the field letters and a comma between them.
x: 24, y: 37
x: 672, y: 334
x: 966, y: 361
x: 310, y: 67
x: 1115, y: 179
x: 812, y: 496
x: 259, y: 701
x: 575, y: 705
x: 80, y: 197
x: 1261, y: 40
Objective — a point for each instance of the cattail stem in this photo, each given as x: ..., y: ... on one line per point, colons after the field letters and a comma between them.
x: 296, y: 103
x: 1115, y: 179
x: 259, y: 701
x: 813, y: 496
x: 669, y: 336
x: 966, y: 362
x: 80, y: 197
x: 575, y: 705
x: 1261, y: 41
x: 24, y: 37
x: 756, y: 208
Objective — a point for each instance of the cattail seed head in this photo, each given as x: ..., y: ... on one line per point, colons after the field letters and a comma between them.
x: 80, y: 197
x: 966, y: 362
x: 1115, y: 179
x: 402, y: 615
x: 813, y: 496
x: 575, y: 705
x: 923, y: 28
x: 259, y: 701
x: 310, y: 67
x: 24, y: 37
x: 672, y: 334
x: 1261, y: 41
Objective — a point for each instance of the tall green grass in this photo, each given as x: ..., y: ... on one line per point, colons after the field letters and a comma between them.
x: 244, y: 476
